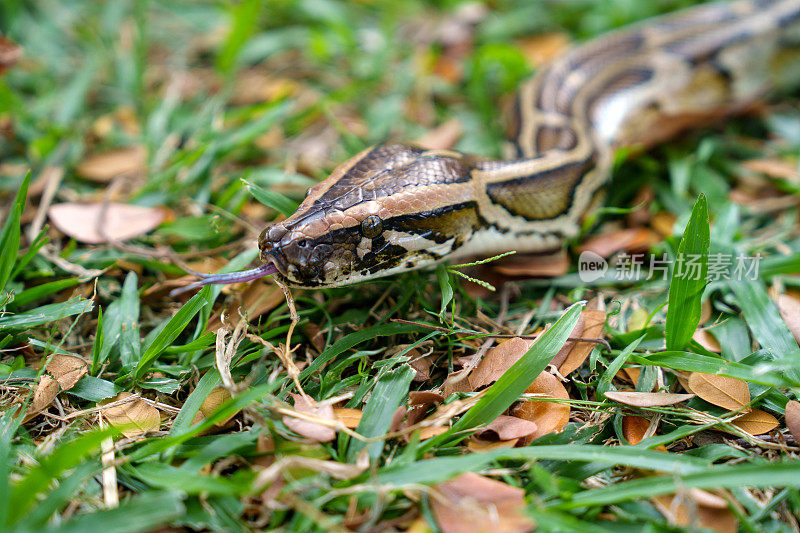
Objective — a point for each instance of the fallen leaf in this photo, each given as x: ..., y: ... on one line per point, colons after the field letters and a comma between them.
x: 682, y: 510
x: 592, y: 322
x: 430, y: 432
x: 62, y: 373
x: 629, y: 374
x: 347, y: 416
x: 497, y: 361
x: 477, y: 444
x: 550, y: 417
x: 121, y: 221
x: 132, y: 418
x: 10, y: 53
x: 543, y: 48
x: 471, y: 503
x: 442, y: 137
x: 104, y: 167
x: 634, y: 428
x: 309, y: 429
x: 774, y: 168
x: 722, y: 391
x: 535, y: 265
x: 424, y: 398
x: 789, y: 308
x: 630, y: 239
x: 663, y: 223
x: 647, y: 399
x: 705, y: 339
x: 507, y: 428
x: 793, y: 419
x: 215, y: 398
x: 756, y: 422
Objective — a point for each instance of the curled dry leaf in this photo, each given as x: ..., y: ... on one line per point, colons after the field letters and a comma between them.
x: 722, y: 391
x: 118, y: 221
x: 756, y: 422
x: 471, y: 503
x: 62, y: 373
x: 630, y: 239
x: 347, y: 416
x: 686, y: 510
x: 549, y: 417
x: 307, y: 428
x: 507, y: 428
x: 647, y: 399
x: 793, y: 419
x: 572, y: 356
x: 133, y: 418
x: 789, y: 307
x: 634, y: 428
x: 104, y: 167
x: 424, y: 398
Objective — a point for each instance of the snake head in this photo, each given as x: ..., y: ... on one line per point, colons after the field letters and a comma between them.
x: 389, y: 209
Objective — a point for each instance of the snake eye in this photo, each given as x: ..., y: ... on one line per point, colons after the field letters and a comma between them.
x: 371, y: 227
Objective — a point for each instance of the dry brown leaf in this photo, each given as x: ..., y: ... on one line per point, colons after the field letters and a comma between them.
x: 476, y: 444
x: 133, y: 418
x: 540, y: 49
x: 10, y: 53
x: 424, y: 398
x: 104, y: 167
x: 347, y: 416
x: 471, y: 503
x: 774, y: 168
x: 647, y: 399
x: 306, y: 428
x: 629, y: 374
x: 634, y: 428
x: 630, y: 239
x: 663, y: 222
x: 550, y: 417
x: 756, y: 422
x: 789, y: 307
x: 215, y: 398
x: 705, y: 339
x: 535, y: 265
x: 722, y: 391
x: 442, y: 137
x: 681, y: 511
x: 793, y: 419
x: 592, y: 322
x: 497, y: 361
x: 62, y: 373
x: 507, y: 428
x: 430, y: 432
x: 121, y: 221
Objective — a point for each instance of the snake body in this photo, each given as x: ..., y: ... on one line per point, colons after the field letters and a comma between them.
x: 398, y: 207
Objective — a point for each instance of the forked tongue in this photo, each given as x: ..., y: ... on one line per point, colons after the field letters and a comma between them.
x: 233, y: 277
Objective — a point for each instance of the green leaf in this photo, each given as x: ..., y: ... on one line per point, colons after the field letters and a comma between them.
x: 432, y: 471
x: 46, y: 313
x: 785, y: 474
x: 171, y: 330
x: 128, y: 310
x: 605, y: 382
x: 9, y: 237
x: 169, y: 477
x: 516, y: 379
x: 40, y: 291
x: 446, y: 288
x: 763, y: 319
x: 688, y: 279
x: 142, y: 513
x: 49, y: 468
x: 387, y: 396
x: 271, y: 199
x: 244, y: 21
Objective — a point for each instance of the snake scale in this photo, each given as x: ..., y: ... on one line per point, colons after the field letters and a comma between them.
x: 397, y: 207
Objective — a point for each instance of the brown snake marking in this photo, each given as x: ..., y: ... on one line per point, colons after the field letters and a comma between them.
x: 396, y: 207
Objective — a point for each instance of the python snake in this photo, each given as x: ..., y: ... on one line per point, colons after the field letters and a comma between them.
x: 398, y: 207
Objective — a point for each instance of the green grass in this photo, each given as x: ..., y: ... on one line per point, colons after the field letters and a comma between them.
x: 240, y: 108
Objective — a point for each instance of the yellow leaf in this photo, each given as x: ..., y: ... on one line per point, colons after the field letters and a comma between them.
x: 722, y: 391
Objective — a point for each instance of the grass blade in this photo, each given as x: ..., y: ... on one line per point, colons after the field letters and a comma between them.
x: 688, y: 279
x: 9, y: 238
